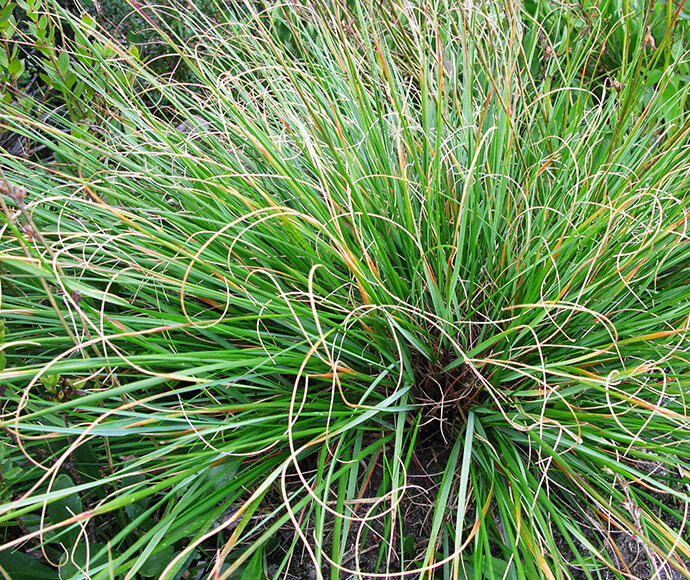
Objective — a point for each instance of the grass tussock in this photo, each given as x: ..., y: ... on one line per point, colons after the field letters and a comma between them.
x: 390, y: 290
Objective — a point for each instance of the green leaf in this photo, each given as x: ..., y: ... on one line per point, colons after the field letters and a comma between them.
x: 670, y: 100
x: 65, y: 507
x: 11, y: 472
x: 252, y: 570
x: 254, y: 567
x: 16, y: 68
x: 79, y: 560
x: 5, y: 13
x: 157, y: 562
x: 70, y: 79
x: 220, y: 475
x: 184, y: 565
x: 501, y: 570
x: 135, y: 509
x: 63, y: 63
x: 408, y: 545
x: 86, y: 462
x: 8, y: 24
x: 23, y: 567
x: 10, y: 28
x: 655, y: 76
x: 50, y: 382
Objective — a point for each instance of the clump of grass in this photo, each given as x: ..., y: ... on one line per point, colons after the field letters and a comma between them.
x: 384, y: 291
